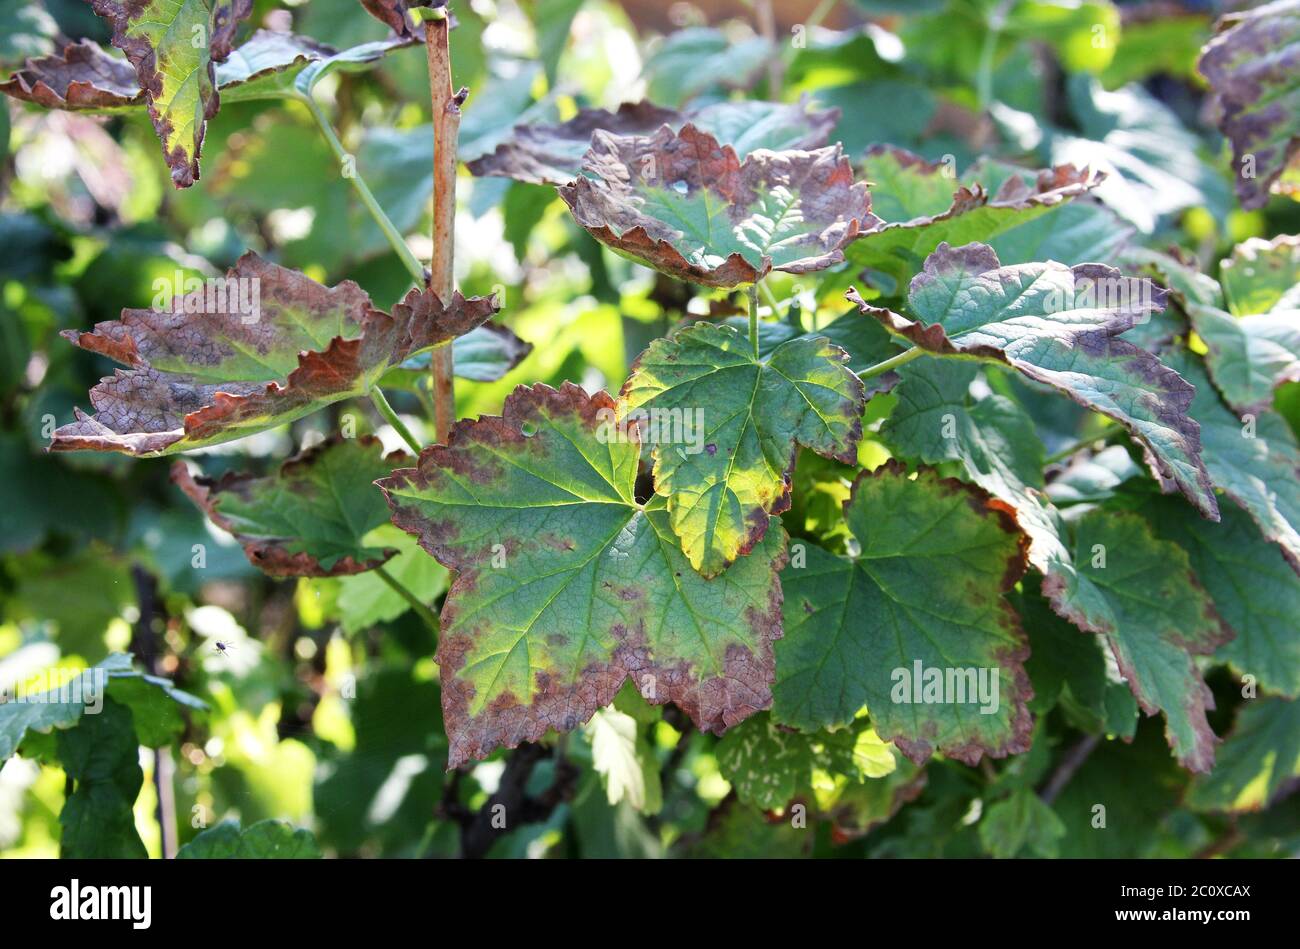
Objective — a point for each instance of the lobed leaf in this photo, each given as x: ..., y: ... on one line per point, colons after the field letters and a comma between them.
x: 102, y: 759
x: 310, y: 518
x: 543, y: 153
x: 174, y: 46
x: 726, y: 465
x: 210, y: 370
x: 566, y: 586
x: 1251, y: 66
x: 685, y: 205
x: 1060, y: 326
x: 268, y: 839
x: 937, y: 558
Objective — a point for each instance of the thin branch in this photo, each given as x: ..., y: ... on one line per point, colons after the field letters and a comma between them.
x: 412, y: 600
x: 446, y: 127
x: 510, y: 806
x: 753, y: 317
x: 893, y: 362
x: 145, y: 645
x: 381, y: 403
x: 395, y: 239
x: 1072, y: 762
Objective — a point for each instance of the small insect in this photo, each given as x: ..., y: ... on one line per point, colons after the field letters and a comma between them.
x: 221, y: 647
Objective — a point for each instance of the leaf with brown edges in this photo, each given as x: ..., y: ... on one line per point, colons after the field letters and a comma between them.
x: 214, y: 368
x: 310, y: 518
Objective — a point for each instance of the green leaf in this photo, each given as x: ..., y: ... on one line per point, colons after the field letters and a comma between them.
x: 266, y: 840
x: 725, y: 424
x: 266, y: 346
x: 550, y: 154
x: 927, y: 589
x: 484, y: 354
x: 102, y: 757
x: 364, y: 600
x: 566, y: 586
x: 552, y: 21
x: 267, y: 65
x: 696, y: 60
x: 1259, y: 757
x: 1151, y: 162
x: 685, y: 205
x: 1254, y: 590
x: 1250, y: 66
x: 1140, y: 593
x: 155, y: 705
x: 26, y: 29
x: 1060, y: 326
x: 310, y: 518
x: 1021, y: 822
x: 174, y: 47
x: 924, y: 205
x: 625, y: 760
x: 1254, y: 345
x: 1256, y: 462
x: 768, y: 764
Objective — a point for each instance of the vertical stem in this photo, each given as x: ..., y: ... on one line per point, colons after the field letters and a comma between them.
x: 775, y: 62
x: 753, y: 317
x: 391, y: 417
x: 446, y: 128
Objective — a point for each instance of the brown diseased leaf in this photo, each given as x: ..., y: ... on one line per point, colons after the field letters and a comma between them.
x: 394, y: 13
x: 689, y: 207
x: 83, y: 76
x: 216, y: 365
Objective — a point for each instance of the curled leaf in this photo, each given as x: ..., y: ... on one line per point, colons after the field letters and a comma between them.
x: 264, y: 346
x: 174, y: 46
x: 550, y: 154
x: 310, y: 518
x: 1060, y: 326
x: 566, y: 586
x: 1251, y: 66
x: 725, y: 425
x: 685, y: 205
x: 395, y: 13
x: 83, y: 76
x: 924, y: 598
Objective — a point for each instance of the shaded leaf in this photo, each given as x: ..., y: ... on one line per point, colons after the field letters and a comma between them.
x: 1142, y: 595
x: 927, y: 588
x: 685, y: 205
x: 1021, y: 822
x: 1260, y: 757
x: 1254, y: 590
x: 174, y: 47
x: 103, y: 759
x: 1060, y: 326
x: 593, y: 591
x: 1251, y: 68
x: 625, y: 761
x: 740, y: 418
x: 695, y: 60
x: 311, y: 517
x: 266, y: 65
x: 484, y: 354
x: 266, y: 840
x: 550, y: 154
x: 1256, y: 462
x: 394, y: 14
x: 210, y: 370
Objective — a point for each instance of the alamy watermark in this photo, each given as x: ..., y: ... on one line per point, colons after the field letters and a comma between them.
x: 60, y: 687
x: 237, y: 296
x: 946, y: 685
x: 683, y: 427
